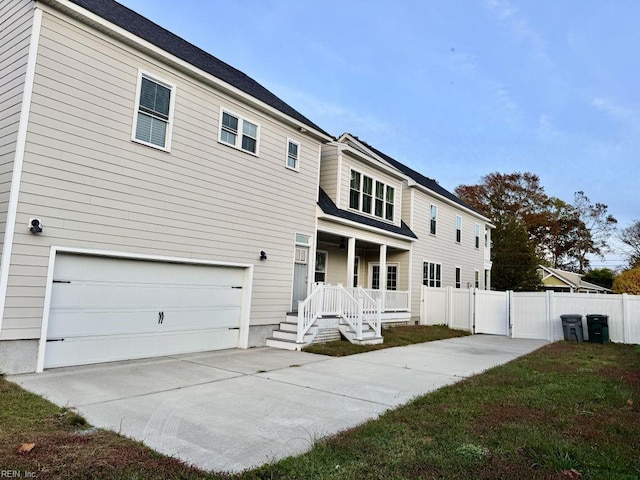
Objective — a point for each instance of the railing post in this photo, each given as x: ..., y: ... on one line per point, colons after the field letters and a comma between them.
x: 321, y: 300
x: 378, y: 318
x: 359, y: 320
x: 300, y: 330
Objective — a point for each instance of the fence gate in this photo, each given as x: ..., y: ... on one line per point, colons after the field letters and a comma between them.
x: 491, y: 312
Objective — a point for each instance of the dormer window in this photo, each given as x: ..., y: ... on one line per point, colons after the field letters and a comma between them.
x: 362, y: 197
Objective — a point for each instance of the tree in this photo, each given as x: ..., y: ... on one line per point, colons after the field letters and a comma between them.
x: 596, y: 227
x: 508, y: 195
x: 559, y: 234
x: 628, y: 282
x: 601, y: 276
x: 514, y: 260
x: 630, y: 236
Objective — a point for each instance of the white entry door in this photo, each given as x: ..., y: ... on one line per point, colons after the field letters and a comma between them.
x: 104, y: 309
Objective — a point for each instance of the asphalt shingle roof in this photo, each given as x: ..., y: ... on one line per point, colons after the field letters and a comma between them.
x: 330, y: 208
x: 144, y: 28
x: 426, y: 182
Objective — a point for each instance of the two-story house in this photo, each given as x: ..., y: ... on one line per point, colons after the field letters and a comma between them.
x: 151, y: 195
x: 154, y: 200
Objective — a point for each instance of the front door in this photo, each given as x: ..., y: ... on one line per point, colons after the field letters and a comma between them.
x: 300, y: 277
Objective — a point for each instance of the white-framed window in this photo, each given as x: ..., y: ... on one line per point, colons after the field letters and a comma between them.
x: 458, y: 229
x: 476, y: 279
x: 378, y: 201
x: 238, y: 132
x: 153, y: 115
x: 321, y: 266
x: 293, y: 155
x: 432, y: 274
x: 392, y: 276
x: 458, y: 277
x: 302, y: 239
x: 477, y: 233
x: 433, y: 222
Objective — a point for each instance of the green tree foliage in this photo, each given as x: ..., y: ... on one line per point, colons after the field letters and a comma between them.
x: 601, y: 276
x: 514, y: 260
x: 630, y: 236
x: 628, y: 282
x: 561, y: 234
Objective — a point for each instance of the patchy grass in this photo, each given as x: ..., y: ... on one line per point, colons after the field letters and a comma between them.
x: 393, y: 337
x: 565, y: 406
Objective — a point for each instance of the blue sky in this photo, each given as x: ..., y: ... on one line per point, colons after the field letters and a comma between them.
x: 455, y: 89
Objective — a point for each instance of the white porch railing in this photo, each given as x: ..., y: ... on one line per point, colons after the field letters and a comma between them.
x: 392, y: 300
x: 372, y: 308
x: 328, y: 300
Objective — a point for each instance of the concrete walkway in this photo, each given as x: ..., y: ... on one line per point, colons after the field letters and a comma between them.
x: 234, y: 409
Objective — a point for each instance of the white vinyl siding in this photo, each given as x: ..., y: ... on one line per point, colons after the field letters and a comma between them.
x: 154, y: 111
x: 238, y: 132
x: 94, y: 188
x: 16, y: 20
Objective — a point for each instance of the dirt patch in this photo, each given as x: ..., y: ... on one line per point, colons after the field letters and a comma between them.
x: 495, y: 416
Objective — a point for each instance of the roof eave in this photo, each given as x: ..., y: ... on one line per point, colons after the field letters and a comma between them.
x: 90, y: 18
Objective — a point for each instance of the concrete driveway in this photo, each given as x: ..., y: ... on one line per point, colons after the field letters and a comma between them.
x: 234, y: 409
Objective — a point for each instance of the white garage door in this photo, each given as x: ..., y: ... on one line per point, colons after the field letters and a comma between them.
x: 104, y: 309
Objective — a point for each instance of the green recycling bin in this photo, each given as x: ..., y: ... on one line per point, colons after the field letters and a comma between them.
x: 598, y: 328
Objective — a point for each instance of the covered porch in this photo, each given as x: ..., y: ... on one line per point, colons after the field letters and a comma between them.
x: 381, y: 269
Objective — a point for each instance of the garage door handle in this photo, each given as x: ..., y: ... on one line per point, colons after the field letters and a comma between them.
x: 160, y: 317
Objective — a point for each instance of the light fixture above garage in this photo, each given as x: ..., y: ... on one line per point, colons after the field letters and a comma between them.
x: 263, y: 255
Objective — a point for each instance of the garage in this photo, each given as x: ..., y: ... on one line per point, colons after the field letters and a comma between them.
x: 105, y: 309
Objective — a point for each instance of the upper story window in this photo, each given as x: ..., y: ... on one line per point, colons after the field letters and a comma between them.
x: 154, y: 112
x: 434, y: 220
x: 362, y: 196
x: 293, y: 155
x: 238, y: 132
x: 477, y: 232
x: 458, y: 228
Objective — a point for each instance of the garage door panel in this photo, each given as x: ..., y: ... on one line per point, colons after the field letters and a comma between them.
x: 105, y: 309
x: 101, y: 349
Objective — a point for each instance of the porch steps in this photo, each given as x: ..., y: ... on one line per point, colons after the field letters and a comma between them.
x: 368, y: 335
x: 285, y: 336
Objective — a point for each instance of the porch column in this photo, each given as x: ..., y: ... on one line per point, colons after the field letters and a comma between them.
x: 351, y: 260
x: 383, y: 267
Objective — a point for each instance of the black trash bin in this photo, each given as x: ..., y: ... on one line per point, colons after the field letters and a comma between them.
x: 598, y: 327
x: 572, y: 327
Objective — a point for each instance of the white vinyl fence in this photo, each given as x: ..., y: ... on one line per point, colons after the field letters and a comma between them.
x: 528, y: 314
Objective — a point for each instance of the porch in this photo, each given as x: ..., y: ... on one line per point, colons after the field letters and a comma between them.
x: 381, y: 270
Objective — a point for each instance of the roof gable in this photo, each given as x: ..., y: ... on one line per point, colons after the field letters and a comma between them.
x: 162, y: 38
x: 428, y: 183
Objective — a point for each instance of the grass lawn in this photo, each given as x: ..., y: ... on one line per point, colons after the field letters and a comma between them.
x: 393, y: 337
x: 565, y: 406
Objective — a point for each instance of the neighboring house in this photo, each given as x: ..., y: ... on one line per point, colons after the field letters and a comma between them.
x: 155, y: 200
x: 563, y: 281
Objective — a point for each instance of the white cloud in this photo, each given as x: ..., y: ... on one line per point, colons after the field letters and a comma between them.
x: 519, y: 27
x: 616, y: 111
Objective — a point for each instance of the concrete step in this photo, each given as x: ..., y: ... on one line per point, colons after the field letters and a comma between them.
x: 289, y: 327
x: 284, y: 344
x: 285, y: 335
